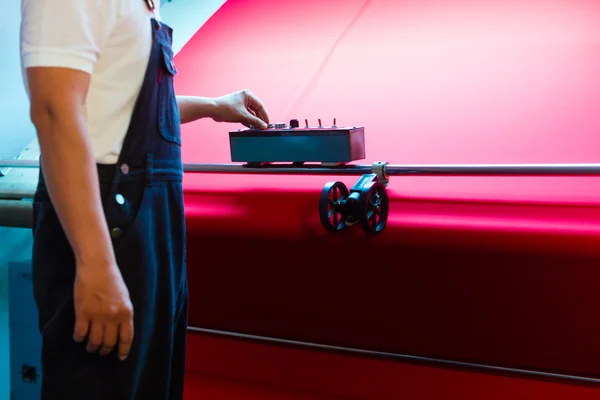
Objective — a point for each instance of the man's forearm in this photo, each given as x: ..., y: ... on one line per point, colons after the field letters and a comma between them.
x: 72, y: 182
x: 192, y: 108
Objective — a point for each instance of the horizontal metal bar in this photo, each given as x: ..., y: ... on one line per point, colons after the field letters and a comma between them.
x: 19, y: 164
x: 391, y: 169
x: 482, y: 368
x: 16, y: 214
x: 278, y: 169
x: 350, y: 170
x: 395, y: 169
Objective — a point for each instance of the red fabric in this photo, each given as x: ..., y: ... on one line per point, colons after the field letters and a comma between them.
x: 267, y: 372
x: 492, y: 270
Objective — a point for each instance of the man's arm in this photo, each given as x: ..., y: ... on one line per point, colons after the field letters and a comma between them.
x: 192, y: 108
x: 60, y: 44
x: 243, y: 107
x: 57, y: 101
x: 59, y: 58
x: 103, y: 309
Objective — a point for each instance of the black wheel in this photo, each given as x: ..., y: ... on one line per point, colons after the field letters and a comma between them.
x: 332, y: 206
x: 374, y: 207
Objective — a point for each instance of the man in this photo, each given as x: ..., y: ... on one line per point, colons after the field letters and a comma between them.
x: 109, y: 230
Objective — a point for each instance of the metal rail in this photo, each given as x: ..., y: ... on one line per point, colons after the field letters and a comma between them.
x: 389, y: 169
x: 13, y: 213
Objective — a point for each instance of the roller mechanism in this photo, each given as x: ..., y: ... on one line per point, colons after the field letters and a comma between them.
x: 366, y: 203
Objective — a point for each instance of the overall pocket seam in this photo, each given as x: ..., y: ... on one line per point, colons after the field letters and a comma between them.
x: 168, y: 111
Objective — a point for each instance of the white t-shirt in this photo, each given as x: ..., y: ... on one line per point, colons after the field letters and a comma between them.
x: 111, y: 40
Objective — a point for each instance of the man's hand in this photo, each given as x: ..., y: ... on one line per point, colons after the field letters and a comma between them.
x: 103, y: 311
x: 243, y: 107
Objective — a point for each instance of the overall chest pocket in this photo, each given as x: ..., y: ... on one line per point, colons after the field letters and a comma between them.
x: 168, y: 111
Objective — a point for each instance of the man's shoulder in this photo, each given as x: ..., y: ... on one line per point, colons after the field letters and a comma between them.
x: 70, y: 34
x: 95, y: 11
x: 71, y: 11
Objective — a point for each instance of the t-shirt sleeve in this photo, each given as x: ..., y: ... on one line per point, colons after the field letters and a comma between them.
x: 59, y: 33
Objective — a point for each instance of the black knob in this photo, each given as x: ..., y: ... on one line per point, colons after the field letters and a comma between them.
x: 294, y: 123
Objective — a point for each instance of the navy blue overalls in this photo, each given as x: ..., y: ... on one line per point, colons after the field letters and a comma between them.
x: 143, y: 202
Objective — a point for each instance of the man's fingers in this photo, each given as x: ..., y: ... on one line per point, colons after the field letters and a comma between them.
x: 257, y: 106
x: 82, y: 326
x: 259, y: 109
x: 110, y: 339
x: 125, y: 339
x: 262, y: 114
x: 251, y: 120
x: 96, y: 337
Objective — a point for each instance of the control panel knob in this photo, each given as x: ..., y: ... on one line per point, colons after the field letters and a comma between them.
x: 294, y: 123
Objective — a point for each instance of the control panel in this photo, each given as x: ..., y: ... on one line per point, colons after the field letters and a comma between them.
x: 292, y: 143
